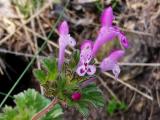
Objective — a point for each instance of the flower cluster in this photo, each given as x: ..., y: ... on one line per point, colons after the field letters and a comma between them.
x: 89, y: 49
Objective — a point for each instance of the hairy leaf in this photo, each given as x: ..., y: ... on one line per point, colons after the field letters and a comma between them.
x: 27, y: 104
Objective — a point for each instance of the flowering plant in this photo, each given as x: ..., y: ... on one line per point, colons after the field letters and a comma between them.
x: 71, y: 83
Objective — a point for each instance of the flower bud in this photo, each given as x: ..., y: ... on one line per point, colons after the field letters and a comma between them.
x: 76, y: 96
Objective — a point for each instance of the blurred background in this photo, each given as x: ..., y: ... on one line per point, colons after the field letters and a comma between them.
x: 26, y: 24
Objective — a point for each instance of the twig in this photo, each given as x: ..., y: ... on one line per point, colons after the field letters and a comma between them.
x: 140, y: 64
x: 19, y: 53
x: 129, y: 86
x: 108, y: 89
x: 157, y: 95
x: 132, y: 100
x: 41, y: 113
x: 28, y: 38
x: 137, y: 32
x: 43, y: 32
x: 49, y: 41
x: 151, y: 113
x: 135, y: 64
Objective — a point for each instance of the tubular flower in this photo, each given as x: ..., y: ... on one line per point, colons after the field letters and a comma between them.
x: 108, y: 32
x: 110, y: 63
x: 64, y: 40
x: 85, y: 58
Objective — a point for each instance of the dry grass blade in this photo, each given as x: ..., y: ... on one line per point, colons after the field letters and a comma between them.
x: 140, y: 64
x: 32, y: 17
x: 108, y: 89
x: 129, y: 86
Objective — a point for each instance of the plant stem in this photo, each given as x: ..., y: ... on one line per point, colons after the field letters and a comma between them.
x: 45, y: 110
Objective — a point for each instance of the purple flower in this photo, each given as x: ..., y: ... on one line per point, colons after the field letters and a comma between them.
x: 107, y: 17
x: 86, y: 51
x: 76, y: 96
x: 108, y: 32
x: 110, y: 63
x: 64, y: 40
x: 85, y: 68
x: 85, y: 58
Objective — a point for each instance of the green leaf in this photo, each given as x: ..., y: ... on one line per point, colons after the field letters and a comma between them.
x: 27, y: 6
x: 55, y: 113
x: 115, y: 105
x: 83, y: 108
x: 51, y: 66
x: 111, y: 107
x: 40, y: 75
x: 27, y: 104
x: 74, y: 59
x: 90, y: 88
x: 122, y: 106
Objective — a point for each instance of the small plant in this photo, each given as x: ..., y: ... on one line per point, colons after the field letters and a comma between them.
x: 114, y: 105
x: 28, y: 6
x: 71, y: 83
x: 27, y: 104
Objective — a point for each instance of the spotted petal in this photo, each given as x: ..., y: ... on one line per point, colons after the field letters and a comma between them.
x: 81, y: 71
x: 123, y: 40
x: 86, y: 51
x: 71, y: 41
x: 91, y: 69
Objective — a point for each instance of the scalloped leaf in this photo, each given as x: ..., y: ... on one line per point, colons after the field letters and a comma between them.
x: 50, y: 65
x: 74, y: 59
x: 27, y: 104
x: 40, y: 75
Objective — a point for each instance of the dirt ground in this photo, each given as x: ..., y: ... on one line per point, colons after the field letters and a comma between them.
x: 138, y: 19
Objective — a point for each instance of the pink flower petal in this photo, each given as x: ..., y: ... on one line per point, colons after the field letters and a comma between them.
x: 116, y: 71
x: 110, y: 63
x: 71, y: 41
x: 108, y: 32
x: 107, y: 64
x: 104, y: 36
x: 123, y: 40
x: 91, y: 69
x: 116, y: 55
x: 81, y: 71
x: 61, y: 57
x: 107, y: 17
x: 64, y: 40
x: 87, y: 44
x: 86, y: 51
x: 63, y: 28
